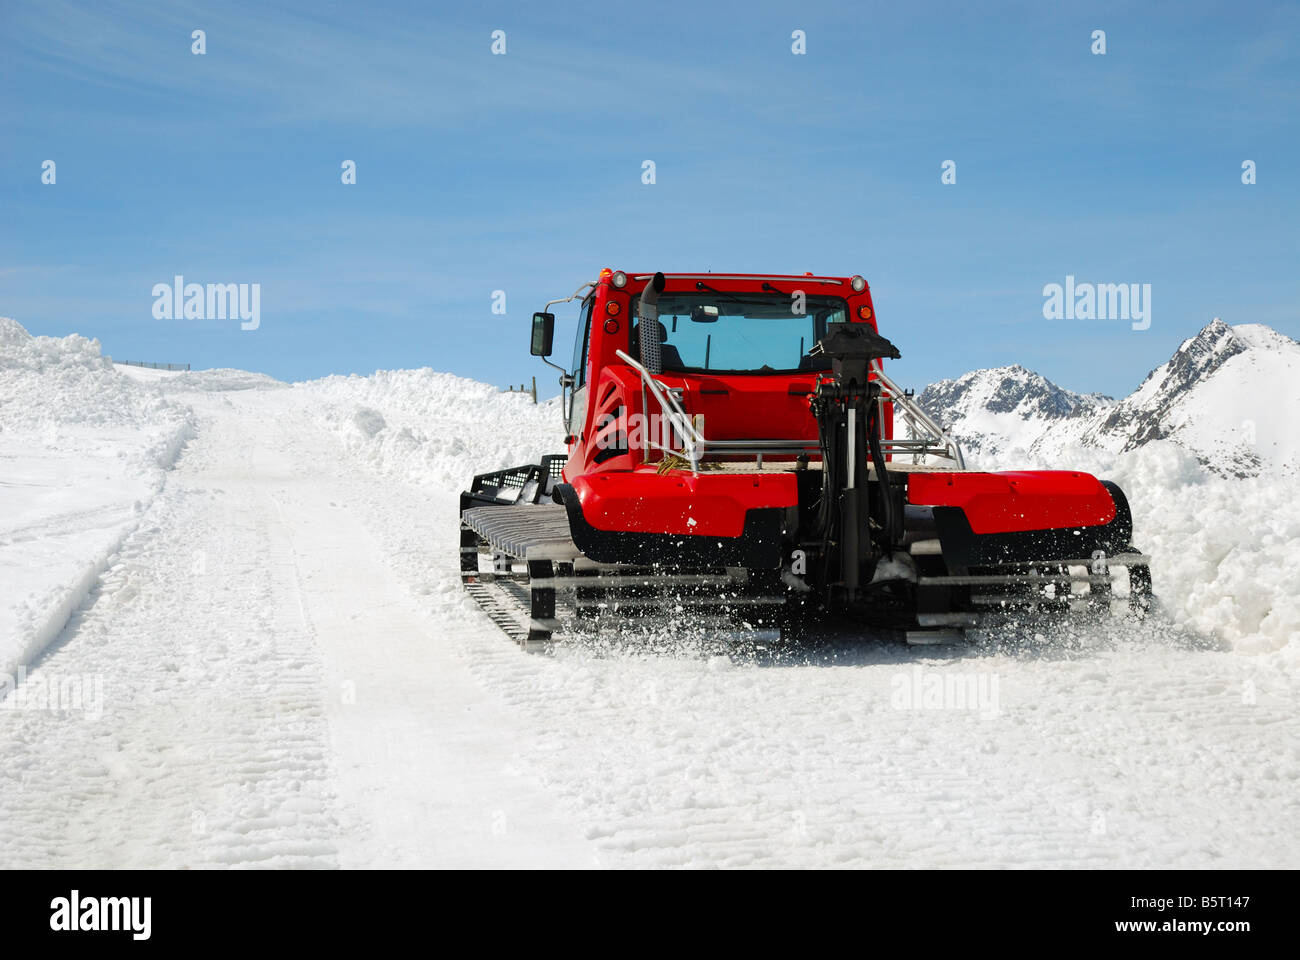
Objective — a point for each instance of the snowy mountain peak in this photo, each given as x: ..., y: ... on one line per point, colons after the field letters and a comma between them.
x: 1006, y: 390
x: 1196, y: 358
x: 1230, y: 395
x: 1212, y: 332
x: 1179, y: 391
x: 1217, y: 342
x: 1003, y: 408
x: 1259, y: 336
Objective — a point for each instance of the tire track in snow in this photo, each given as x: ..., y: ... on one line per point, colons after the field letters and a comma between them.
x: 211, y: 747
x: 272, y: 696
x: 426, y: 760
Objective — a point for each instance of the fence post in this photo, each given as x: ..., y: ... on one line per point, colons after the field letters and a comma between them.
x: 534, y: 389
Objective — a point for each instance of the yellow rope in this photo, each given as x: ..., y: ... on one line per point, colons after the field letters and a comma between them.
x: 672, y: 462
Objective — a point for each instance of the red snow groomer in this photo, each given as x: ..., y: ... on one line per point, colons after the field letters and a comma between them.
x: 734, y: 462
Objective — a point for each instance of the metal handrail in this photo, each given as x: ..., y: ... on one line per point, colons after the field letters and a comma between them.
x: 581, y: 291
x: 692, y: 441
x: 916, y: 417
x: 695, y: 444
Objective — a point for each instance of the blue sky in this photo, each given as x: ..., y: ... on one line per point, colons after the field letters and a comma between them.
x: 522, y: 172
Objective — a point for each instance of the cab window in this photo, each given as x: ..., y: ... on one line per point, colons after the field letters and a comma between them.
x: 580, y: 343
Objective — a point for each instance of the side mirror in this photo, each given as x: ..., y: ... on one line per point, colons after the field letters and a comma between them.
x: 543, y: 334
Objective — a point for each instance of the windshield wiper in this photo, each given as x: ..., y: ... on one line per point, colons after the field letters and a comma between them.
x: 767, y: 288
x: 745, y: 298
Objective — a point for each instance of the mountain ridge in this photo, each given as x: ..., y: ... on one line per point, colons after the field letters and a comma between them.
x: 1229, y: 394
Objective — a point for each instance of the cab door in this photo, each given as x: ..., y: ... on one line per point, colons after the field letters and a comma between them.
x: 576, y: 414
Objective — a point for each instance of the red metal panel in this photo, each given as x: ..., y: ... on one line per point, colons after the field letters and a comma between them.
x: 707, y: 505
x: 1016, y: 500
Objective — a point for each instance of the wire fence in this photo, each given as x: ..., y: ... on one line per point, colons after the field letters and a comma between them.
x: 154, y: 366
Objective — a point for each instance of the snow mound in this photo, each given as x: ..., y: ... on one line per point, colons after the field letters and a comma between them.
x: 1222, y: 549
x: 66, y: 380
x: 434, y: 428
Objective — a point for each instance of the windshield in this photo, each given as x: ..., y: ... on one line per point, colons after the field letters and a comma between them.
x: 744, y: 332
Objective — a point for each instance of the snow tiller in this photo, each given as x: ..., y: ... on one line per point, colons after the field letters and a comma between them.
x: 738, y: 459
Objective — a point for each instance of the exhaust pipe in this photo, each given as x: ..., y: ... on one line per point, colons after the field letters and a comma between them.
x: 647, y: 310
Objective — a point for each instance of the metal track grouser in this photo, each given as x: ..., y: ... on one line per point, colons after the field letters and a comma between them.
x: 734, y: 462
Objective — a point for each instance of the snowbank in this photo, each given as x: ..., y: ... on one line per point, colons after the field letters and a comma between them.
x: 66, y: 380
x: 434, y: 428
x: 1223, y: 549
x: 84, y: 451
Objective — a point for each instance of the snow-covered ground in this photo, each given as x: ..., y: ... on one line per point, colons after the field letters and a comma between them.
x: 83, y: 451
x: 289, y: 675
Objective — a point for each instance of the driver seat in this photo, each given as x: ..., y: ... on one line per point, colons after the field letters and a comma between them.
x: 671, y: 357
